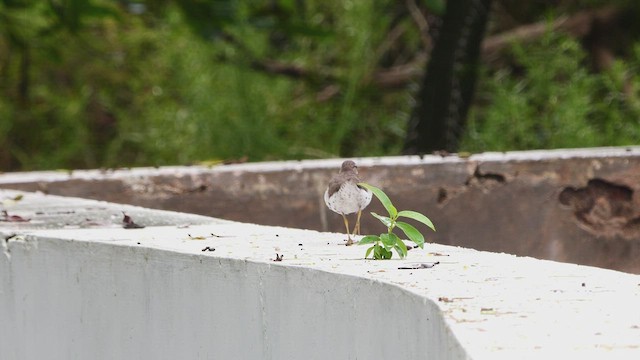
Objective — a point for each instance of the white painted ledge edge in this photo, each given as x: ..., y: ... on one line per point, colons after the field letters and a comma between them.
x: 301, y: 165
x: 153, y: 293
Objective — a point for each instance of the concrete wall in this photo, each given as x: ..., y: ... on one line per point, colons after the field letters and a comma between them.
x: 578, y: 206
x: 72, y: 300
x: 76, y: 284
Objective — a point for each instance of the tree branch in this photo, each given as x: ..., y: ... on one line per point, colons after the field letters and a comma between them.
x: 577, y: 25
x: 289, y: 70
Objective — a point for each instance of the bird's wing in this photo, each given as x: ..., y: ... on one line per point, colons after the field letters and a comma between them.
x: 336, y: 182
x: 334, y: 185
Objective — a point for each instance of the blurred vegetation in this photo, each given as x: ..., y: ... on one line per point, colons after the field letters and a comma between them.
x: 559, y: 103
x: 102, y: 83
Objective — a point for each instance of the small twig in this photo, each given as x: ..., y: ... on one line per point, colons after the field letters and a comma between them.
x: 420, y: 266
x: 212, y: 235
x: 577, y: 25
x: 221, y: 236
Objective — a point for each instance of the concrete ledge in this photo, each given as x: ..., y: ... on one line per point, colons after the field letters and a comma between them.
x: 101, y: 291
x: 579, y: 206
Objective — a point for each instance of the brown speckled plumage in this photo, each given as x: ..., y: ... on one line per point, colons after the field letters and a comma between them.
x: 348, y: 173
x: 344, y: 196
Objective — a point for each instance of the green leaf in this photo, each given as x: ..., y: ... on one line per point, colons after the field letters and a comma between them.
x: 418, y: 217
x: 385, y: 220
x: 369, y: 239
x: 394, y: 238
x: 401, y: 248
x: 384, y: 199
x: 366, y: 255
x: 388, y: 240
x: 376, y: 252
x: 412, y: 233
x: 380, y: 253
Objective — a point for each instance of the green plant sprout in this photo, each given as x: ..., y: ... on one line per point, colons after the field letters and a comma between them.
x: 383, y: 243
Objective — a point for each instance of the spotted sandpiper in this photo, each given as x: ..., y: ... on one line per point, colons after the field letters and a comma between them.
x: 345, y: 197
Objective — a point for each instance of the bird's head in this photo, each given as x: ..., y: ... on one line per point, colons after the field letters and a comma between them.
x: 349, y: 166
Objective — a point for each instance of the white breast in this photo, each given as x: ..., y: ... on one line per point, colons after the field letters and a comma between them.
x: 348, y: 200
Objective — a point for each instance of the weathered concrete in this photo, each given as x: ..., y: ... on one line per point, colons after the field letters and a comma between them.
x: 54, y: 212
x: 578, y: 206
x: 107, y: 292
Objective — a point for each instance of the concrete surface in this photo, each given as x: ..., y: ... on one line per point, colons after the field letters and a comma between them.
x: 102, y: 291
x: 578, y: 206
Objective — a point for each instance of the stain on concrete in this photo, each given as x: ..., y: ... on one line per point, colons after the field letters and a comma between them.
x: 442, y: 196
x: 603, y: 208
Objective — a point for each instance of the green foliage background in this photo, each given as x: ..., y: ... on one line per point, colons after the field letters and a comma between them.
x: 559, y: 103
x: 87, y: 84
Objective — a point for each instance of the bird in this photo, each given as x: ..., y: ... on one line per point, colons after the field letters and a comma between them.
x: 344, y: 196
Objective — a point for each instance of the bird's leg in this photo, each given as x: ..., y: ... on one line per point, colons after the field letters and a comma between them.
x: 356, y: 229
x: 346, y: 224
